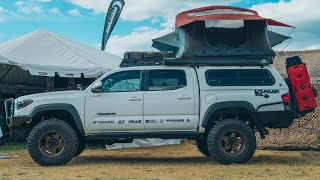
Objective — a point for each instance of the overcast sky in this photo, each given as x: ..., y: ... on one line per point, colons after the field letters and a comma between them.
x: 143, y: 20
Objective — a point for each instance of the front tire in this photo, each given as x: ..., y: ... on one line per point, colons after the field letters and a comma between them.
x: 231, y: 142
x: 52, y: 143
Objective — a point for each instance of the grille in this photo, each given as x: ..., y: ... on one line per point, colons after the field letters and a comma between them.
x: 9, y: 107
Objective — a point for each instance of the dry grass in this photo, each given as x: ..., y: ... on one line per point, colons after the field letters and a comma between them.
x: 174, y: 162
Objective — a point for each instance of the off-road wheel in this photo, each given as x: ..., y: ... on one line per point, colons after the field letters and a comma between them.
x: 203, y: 147
x: 231, y: 142
x: 52, y: 143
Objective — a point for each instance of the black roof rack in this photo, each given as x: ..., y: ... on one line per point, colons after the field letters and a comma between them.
x: 145, y: 58
x: 167, y: 58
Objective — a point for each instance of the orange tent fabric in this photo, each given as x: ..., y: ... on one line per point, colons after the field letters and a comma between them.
x: 222, y: 13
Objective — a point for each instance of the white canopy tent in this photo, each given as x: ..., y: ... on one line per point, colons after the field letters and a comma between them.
x: 44, y: 53
x: 3, y: 59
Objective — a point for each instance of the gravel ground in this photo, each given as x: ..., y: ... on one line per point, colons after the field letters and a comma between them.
x: 172, y: 162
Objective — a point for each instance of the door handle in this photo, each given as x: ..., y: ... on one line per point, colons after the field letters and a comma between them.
x: 135, y: 99
x: 95, y: 96
x: 183, y: 98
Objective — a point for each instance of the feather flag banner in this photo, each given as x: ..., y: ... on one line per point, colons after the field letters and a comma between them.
x: 112, y: 18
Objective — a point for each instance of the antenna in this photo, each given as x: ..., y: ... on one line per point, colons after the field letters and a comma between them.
x: 112, y: 18
x: 293, y: 28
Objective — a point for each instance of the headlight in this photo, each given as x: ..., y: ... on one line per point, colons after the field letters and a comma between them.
x: 24, y: 103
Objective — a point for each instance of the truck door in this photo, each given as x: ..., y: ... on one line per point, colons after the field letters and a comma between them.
x: 169, y: 102
x: 119, y: 105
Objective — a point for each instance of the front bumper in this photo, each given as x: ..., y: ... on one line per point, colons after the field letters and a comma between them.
x: 18, y: 121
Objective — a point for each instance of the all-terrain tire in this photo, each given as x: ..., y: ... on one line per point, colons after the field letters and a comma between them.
x: 70, y: 141
x: 216, y: 143
x: 203, y: 147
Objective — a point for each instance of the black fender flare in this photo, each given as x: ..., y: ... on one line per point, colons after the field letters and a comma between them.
x: 61, y: 107
x: 223, y: 105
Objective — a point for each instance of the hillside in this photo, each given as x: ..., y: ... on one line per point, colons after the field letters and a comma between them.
x: 311, y: 58
x: 305, y: 132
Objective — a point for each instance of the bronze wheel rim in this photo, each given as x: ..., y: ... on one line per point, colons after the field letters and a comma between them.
x: 232, y: 143
x: 51, y: 144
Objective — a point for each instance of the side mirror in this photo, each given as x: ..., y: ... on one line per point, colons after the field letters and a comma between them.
x: 97, y: 87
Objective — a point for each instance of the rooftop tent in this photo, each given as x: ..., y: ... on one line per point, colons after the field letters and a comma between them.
x: 276, y: 38
x: 225, y: 39
x: 44, y: 53
x: 170, y: 42
x: 236, y: 34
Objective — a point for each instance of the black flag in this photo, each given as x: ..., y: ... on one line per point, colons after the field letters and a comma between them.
x: 112, y: 18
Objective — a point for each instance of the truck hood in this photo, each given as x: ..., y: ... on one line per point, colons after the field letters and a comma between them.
x: 50, y: 95
x: 73, y: 98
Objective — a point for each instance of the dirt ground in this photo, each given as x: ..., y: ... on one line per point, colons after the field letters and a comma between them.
x: 172, y: 162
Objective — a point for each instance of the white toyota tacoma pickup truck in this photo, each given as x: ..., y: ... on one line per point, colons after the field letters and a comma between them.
x: 219, y: 107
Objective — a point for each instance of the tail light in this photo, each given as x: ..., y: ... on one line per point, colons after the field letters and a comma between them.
x: 287, y: 99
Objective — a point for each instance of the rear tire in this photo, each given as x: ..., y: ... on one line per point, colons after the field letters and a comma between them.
x: 231, y: 142
x: 203, y: 147
x: 52, y: 143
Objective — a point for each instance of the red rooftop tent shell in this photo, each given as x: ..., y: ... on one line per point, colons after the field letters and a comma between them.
x: 224, y: 35
x: 222, y: 13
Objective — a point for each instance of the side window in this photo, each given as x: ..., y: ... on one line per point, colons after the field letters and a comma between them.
x: 126, y: 81
x: 163, y: 80
x: 237, y: 77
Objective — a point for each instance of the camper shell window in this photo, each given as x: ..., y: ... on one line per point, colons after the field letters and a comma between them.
x: 237, y: 77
